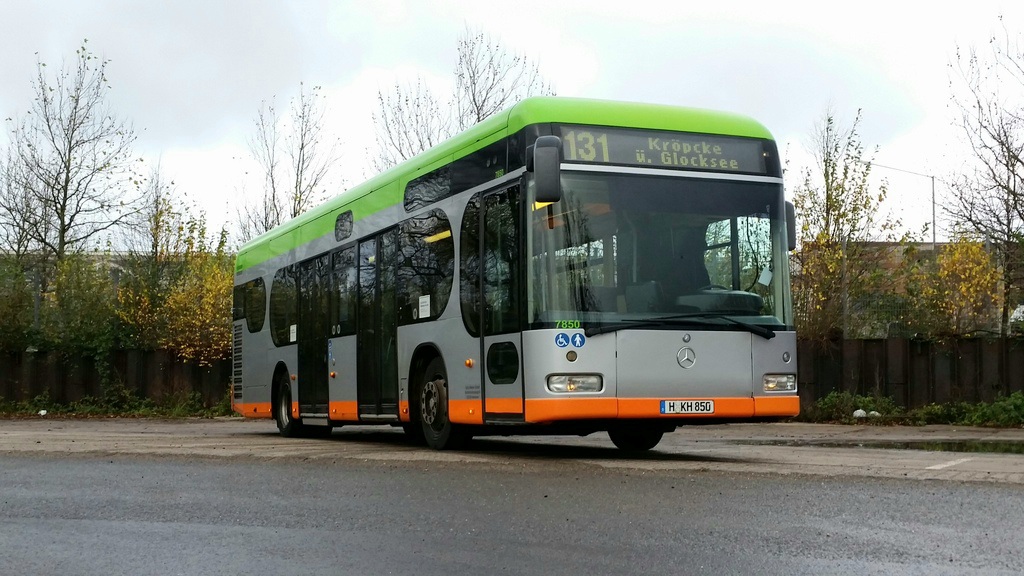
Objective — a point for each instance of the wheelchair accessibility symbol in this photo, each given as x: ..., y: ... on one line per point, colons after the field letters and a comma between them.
x: 563, y: 340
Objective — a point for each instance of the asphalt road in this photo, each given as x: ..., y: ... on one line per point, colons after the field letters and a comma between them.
x: 789, y: 448
x: 230, y: 497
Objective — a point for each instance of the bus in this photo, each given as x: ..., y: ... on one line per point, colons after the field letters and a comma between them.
x: 567, y: 266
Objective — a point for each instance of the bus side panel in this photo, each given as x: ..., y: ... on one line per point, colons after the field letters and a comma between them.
x: 259, y: 358
x: 456, y: 346
x: 342, y: 386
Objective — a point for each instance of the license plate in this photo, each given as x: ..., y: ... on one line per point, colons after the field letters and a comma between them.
x: 687, y: 406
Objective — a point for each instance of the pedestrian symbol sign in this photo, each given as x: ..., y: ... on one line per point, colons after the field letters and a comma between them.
x: 563, y: 340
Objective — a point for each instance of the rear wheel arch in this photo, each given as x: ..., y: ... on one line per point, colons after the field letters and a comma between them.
x: 421, y: 359
x: 282, y: 395
x: 432, y: 391
x: 280, y: 376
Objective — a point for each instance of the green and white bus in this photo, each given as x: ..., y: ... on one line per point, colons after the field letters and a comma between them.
x: 566, y: 266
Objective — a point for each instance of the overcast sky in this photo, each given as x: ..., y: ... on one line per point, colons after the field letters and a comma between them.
x: 191, y: 74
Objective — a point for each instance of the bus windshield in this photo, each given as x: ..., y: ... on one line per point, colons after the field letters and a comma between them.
x: 670, y: 250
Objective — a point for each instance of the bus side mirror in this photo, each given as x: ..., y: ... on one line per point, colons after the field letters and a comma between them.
x: 791, y: 225
x: 546, y: 166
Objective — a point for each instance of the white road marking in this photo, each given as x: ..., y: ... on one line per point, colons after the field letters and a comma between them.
x: 948, y: 464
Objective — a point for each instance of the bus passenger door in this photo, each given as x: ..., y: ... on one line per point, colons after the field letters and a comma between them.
x: 313, y: 331
x: 501, y: 313
x: 377, y: 335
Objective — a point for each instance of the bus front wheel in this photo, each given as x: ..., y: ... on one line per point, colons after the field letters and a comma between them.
x: 438, y: 431
x: 635, y: 440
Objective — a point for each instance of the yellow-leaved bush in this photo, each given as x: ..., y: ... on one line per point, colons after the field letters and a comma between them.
x: 198, y: 311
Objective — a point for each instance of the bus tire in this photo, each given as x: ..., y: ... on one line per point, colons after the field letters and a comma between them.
x: 635, y: 440
x: 438, y: 430
x: 288, y: 427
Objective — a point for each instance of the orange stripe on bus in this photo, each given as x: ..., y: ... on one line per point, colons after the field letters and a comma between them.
x: 465, y: 412
x: 549, y: 409
x: 505, y: 405
x: 776, y: 406
x: 552, y: 409
x: 344, y: 410
x: 252, y: 409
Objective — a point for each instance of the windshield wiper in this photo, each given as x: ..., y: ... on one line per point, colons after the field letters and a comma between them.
x: 757, y: 329
x: 702, y: 317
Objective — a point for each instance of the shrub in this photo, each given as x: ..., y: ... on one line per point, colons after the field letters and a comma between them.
x: 839, y: 407
x: 952, y: 413
x: 1008, y: 411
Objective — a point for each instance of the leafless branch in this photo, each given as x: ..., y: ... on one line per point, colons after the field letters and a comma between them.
x: 297, y: 181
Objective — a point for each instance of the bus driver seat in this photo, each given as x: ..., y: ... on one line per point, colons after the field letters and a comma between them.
x: 689, y: 273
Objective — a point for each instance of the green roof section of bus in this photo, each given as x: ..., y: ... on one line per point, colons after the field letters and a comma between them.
x: 387, y: 188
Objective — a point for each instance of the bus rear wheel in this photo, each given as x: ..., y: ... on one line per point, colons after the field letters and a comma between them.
x: 438, y: 430
x: 635, y: 440
x: 288, y: 427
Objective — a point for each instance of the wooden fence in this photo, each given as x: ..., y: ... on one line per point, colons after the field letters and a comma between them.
x: 911, y: 372
x: 914, y: 373
x: 69, y: 378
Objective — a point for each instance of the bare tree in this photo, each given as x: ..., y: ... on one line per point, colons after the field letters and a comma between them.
x: 70, y: 172
x: 409, y: 120
x: 18, y: 209
x: 987, y: 196
x: 488, y: 79
x: 151, y: 232
x: 296, y: 158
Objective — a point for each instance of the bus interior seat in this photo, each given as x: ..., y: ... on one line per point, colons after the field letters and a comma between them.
x: 691, y: 274
x: 603, y: 298
x: 643, y: 297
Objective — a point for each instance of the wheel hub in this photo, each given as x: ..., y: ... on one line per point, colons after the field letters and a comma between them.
x: 429, y: 404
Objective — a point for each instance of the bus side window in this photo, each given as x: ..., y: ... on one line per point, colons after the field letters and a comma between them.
x: 427, y: 267
x: 343, y: 292
x: 284, y: 300
x: 255, y: 304
x: 469, y: 266
x: 238, y: 302
x: 501, y: 262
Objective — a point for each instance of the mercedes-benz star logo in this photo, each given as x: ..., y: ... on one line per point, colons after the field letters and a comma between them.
x: 686, y: 357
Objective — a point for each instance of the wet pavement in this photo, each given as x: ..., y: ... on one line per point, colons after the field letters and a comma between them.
x: 932, y: 437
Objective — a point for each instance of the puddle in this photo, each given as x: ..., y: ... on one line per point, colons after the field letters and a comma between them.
x: 989, y: 447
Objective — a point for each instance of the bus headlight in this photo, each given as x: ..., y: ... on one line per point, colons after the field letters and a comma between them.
x: 563, y: 383
x: 780, y: 382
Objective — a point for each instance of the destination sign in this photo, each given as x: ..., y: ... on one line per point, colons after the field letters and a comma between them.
x: 658, y: 149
